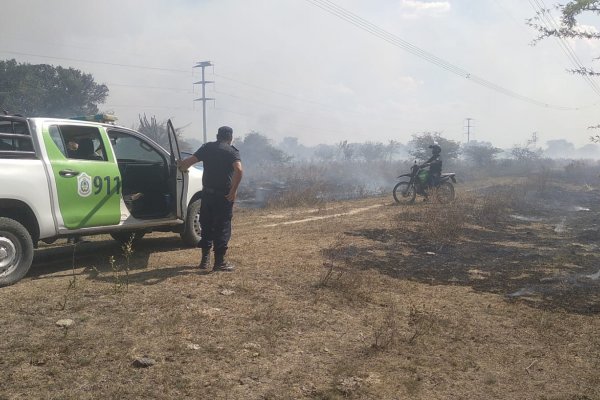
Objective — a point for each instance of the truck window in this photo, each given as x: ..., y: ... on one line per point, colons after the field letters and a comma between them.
x: 131, y: 148
x: 78, y: 142
x: 15, y: 140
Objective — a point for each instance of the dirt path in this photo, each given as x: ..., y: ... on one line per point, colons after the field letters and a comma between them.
x: 322, y: 217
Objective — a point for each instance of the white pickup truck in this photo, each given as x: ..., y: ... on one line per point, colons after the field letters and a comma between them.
x: 62, y: 178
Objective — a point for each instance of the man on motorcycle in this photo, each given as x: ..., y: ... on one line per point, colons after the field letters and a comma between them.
x: 435, y: 165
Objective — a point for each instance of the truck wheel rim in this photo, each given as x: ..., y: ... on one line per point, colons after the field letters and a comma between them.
x: 9, y: 254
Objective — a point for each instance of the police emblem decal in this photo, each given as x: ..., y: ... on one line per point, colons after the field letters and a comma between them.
x: 84, y: 185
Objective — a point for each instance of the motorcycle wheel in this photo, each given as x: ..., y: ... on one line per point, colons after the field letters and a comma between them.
x: 404, y: 193
x: 445, y: 193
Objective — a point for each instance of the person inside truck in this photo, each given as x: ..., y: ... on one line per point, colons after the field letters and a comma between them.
x: 86, y: 150
x: 72, y: 147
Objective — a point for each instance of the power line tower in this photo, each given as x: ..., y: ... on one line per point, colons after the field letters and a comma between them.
x: 469, y: 126
x: 203, y: 99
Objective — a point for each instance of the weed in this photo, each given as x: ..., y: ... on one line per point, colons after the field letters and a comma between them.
x: 539, y: 182
x: 340, y: 273
x: 274, y: 320
x: 326, y: 278
x: 386, y: 329
x: 127, y: 252
x: 62, y: 304
x: 442, y: 225
x: 492, y: 207
x: 420, y: 321
x: 118, y: 281
x: 299, y: 196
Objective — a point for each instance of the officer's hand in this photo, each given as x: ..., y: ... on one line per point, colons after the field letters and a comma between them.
x: 231, y: 196
x: 181, y: 167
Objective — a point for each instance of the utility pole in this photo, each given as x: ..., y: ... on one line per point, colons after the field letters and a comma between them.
x: 469, y: 129
x: 203, y: 82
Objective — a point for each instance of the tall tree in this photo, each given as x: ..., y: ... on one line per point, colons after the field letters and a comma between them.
x: 257, y: 150
x: 419, y: 146
x: 481, y: 154
x: 48, y: 91
x: 157, y: 131
x: 529, y: 152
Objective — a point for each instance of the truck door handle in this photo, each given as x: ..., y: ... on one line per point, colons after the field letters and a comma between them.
x: 68, y: 173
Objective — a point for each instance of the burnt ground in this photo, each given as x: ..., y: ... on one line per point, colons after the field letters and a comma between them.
x: 542, y: 247
x: 492, y: 297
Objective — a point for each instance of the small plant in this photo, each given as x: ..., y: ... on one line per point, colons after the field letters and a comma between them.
x: 117, y: 282
x: 62, y: 304
x: 325, y: 279
x: 299, y: 196
x: 127, y: 252
x: 420, y: 321
x: 491, y: 208
x: 386, y: 330
x: 443, y: 225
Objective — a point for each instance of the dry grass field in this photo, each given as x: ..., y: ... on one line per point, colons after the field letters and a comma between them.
x: 493, y: 297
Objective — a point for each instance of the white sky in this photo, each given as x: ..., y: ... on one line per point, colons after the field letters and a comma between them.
x: 289, y: 68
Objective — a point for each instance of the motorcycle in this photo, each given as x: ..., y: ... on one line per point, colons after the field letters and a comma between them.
x: 406, y: 192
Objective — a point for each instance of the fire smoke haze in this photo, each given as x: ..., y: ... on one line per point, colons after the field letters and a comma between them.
x: 289, y: 68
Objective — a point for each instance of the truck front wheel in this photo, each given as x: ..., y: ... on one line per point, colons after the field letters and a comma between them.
x: 16, y: 251
x: 191, y: 231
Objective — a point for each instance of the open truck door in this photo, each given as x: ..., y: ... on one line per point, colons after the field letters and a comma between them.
x: 178, y: 179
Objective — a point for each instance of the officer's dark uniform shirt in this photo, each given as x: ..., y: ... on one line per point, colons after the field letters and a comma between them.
x: 217, y: 158
x: 436, y: 164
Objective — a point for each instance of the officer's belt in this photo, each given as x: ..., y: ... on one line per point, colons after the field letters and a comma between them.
x: 208, y: 190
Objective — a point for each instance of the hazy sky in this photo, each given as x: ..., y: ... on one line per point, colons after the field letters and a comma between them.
x: 289, y: 68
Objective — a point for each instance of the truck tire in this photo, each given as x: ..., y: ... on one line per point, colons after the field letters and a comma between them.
x: 191, y: 231
x: 125, y: 237
x: 16, y: 251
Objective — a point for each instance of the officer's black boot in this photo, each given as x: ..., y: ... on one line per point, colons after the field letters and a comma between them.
x: 220, y: 263
x: 205, y: 260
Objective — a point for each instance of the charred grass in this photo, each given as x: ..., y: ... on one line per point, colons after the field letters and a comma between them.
x: 386, y: 303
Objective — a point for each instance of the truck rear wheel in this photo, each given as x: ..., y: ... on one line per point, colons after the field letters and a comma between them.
x: 191, y: 231
x: 16, y: 251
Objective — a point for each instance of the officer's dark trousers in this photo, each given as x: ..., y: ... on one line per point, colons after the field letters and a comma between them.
x: 215, y: 221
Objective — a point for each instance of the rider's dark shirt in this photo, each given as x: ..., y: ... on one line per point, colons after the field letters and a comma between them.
x: 435, y: 164
x: 218, y: 159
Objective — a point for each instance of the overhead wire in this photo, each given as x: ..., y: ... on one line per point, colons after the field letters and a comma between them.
x: 97, y: 62
x: 369, y: 27
x: 546, y: 18
x: 312, y: 128
x: 173, y: 70
x: 274, y: 91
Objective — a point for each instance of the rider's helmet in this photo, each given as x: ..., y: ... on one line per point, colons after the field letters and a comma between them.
x: 435, y: 149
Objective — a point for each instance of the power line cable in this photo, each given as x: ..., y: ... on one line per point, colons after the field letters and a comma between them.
x: 363, y: 24
x: 546, y: 18
x: 146, y: 106
x: 173, y: 89
x: 275, y: 91
x: 98, y: 62
x: 312, y: 128
x: 510, y: 14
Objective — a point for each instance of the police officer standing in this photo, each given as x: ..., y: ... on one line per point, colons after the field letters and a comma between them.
x: 220, y: 181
